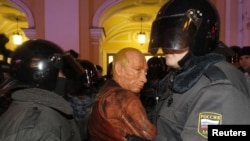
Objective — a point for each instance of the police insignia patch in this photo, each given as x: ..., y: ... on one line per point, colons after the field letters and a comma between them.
x: 208, y: 118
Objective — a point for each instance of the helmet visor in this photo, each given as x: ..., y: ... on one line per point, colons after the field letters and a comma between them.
x: 172, y: 33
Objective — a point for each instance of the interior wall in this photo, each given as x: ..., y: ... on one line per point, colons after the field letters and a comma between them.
x: 235, y: 21
x: 62, y: 23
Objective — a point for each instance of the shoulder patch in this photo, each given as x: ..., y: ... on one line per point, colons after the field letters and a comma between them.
x: 208, y: 118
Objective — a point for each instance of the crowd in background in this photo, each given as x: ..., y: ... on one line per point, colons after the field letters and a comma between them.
x: 241, y: 58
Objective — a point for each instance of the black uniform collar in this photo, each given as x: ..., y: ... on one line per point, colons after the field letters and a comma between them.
x: 192, y: 69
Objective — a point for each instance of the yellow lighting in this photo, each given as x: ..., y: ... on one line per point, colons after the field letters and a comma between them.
x: 17, y: 38
x: 141, y: 38
x: 141, y: 35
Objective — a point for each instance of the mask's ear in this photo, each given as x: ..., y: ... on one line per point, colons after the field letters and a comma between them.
x: 119, y: 68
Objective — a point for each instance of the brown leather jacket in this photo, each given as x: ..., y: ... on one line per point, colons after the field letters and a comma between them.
x: 117, y: 113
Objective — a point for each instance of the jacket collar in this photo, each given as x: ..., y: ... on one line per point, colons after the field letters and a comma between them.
x: 43, y: 97
x: 192, y: 70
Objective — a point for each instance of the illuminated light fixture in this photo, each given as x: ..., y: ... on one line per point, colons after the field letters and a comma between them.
x: 141, y: 35
x: 17, y: 37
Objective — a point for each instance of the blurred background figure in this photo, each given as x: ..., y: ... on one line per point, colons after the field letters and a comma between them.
x: 4, y: 52
x: 109, y: 71
x: 156, y: 71
x: 4, y: 71
x: 72, y: 71
x: 4, y: 57
x: 99, y: 71
x: 91, y: 73
x: 100, y: 77
x: 73, y: 53
x: 234, y: 59
x: 81, y: 92
x: 244, y: 60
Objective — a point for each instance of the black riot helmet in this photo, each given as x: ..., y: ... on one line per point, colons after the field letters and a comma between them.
x: 90, y: 71
x: 185, y: 23
x: 37, y: 63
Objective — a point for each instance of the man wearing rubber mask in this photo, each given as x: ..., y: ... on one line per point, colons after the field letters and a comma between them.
x: 201, y: 88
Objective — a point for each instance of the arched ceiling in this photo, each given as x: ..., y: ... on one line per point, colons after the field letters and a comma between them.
x: 8, y: 23
x: 122, y: 22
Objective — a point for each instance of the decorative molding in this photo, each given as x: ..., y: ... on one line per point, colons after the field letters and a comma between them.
x: 97, y: 35
x: 26, y: 10
x: 30, y: 32
x: 106, y: 5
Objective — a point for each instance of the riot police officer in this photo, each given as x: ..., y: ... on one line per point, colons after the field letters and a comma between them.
x: 201, y: 88
x: 35, y: 112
